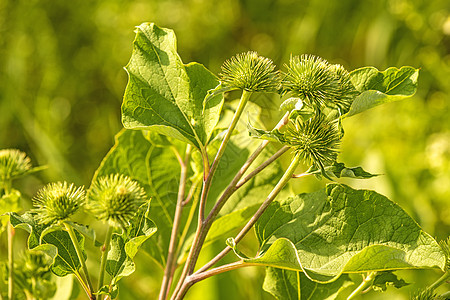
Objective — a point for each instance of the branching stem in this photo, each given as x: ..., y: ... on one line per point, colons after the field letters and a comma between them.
x: 262, y: 166
x: 276, y: 190
x: 165, y: 285
x: 208, y: 176
x: 228, y: 267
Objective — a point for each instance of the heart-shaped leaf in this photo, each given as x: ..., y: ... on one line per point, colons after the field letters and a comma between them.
x: 341, y: 230
x: 165, y: 95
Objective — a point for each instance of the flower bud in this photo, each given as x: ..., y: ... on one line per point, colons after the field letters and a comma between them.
x: 317, y: 139
x: 13, y: 163
x: 250, y: 72
x: 115, y: 198
x: 58, y: 201
x: 318, y: 83
x: 347, y: 91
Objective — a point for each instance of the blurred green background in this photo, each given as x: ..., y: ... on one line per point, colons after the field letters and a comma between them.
x: 62, y: 81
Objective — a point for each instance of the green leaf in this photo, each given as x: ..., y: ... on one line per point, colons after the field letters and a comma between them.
x: 270, y: 135
x: 228, y: 222
x: 28, y: 223
x: 124, y: 247
x: 140, y: 230
x: 291, y: 104
x: 8, y: 203
x: 111, y: 290
x: 384, y: 279
x: 285, y: 284
x: 66, y: 261
x: 157, y: 170
x: 339, y: 170
x: 118, y: 264
x: 54, y: 242
x: 165, y: 95
x: 378, y: 87
x: 157, y: 139
x: 341, y: 230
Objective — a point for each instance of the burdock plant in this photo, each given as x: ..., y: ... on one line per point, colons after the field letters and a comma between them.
x: 13, y: 164
x: 307, y: 238
x: 54, y: 204
x: 114, y: 199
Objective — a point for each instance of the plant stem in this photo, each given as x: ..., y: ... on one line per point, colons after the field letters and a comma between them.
x: 236, y: 183
x: 446, y: 295
x: 104, y: 249
x: 228, y: 267
x: 243, y: 101
x: 83, y: 284
x: 364, y: 284
x: 165, y: 285
x: 208, y: 176
x: 191, y: 214
x: 262, y: 166
x: 440, y: 281
x: 74, y: 239
x: 11, y: 233
x: 276, y: 190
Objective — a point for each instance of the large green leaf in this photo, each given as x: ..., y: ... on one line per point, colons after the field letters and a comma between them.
x: 284, y: 284
x: 378, y: 87
x: 56, y: 243
x: 157, y: 170
x: 341, y: 230
x: 165, y: 95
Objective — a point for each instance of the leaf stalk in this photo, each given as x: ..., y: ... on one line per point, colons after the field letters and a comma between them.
x: 367, y: 281
x: 104, y: 249
x: 81, y: 258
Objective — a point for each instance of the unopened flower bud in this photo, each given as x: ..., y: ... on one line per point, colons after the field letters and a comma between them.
x: 115, y: 198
